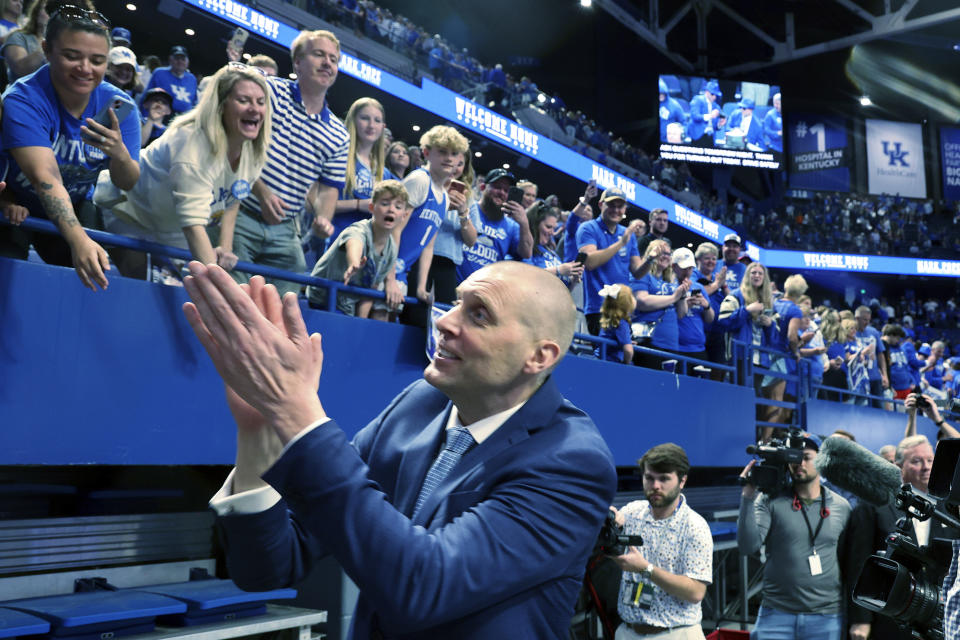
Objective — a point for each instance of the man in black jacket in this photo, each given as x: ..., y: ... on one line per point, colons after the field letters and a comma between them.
x: 870, y: 525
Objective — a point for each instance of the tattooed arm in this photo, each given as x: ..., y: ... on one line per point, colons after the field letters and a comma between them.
x: 40, y: 166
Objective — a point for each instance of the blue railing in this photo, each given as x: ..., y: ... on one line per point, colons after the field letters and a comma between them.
x: 125, y: 242
x: 740, y: 373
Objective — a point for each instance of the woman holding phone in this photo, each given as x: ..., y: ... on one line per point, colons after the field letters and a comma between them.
x: 61, y: 127
x: 543, y: 220
x: 458, y: 228
x: 197, y: 172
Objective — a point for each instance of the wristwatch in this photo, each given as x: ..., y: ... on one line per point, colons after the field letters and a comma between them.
x: 648, y: 570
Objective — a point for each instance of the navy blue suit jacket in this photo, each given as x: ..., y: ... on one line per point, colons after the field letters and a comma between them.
x: 498, y: 550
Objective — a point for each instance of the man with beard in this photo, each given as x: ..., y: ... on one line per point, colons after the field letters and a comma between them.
x: 659, y: 222
x: 503, y: 230
x: 731, y: 262
x: 801, y: 528
x: 870, y: 525
x: 663, y: 584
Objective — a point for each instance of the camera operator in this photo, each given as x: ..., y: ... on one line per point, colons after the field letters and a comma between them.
x: 916, y: 401
x: 870, y: 525
x: 662, y: 584
x: 801, y: 529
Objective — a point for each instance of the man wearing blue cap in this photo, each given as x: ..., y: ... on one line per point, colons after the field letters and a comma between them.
x: 120, y: 37
x: 177, y: 80
x: 743, y: 119
x: 611, y: 250
x: 800, y: 528
x: 503, y: 230
x: 670, y: 111
x: 704, y: 112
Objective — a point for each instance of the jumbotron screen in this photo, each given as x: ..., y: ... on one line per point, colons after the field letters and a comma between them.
x: 737, y: 124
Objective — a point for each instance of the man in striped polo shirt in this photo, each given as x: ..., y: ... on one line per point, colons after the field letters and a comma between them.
x: 309, y: 146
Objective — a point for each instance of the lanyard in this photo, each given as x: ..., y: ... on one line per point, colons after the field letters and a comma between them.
x: 798, y: 504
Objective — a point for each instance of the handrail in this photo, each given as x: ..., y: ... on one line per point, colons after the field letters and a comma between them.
x: 114, y: 240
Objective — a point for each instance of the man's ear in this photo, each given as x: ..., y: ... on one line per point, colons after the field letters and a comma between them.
x: 545, y: 354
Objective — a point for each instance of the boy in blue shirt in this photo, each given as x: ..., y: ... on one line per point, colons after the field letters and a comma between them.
x: 442, y: 149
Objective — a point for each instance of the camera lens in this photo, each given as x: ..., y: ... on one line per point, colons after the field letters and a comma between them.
x: 888, y: 587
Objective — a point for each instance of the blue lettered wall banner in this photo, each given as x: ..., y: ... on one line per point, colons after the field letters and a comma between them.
x: 819, y: 152
x: 950, y: 162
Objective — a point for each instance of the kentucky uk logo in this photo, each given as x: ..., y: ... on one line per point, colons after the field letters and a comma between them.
x: 895, y: 154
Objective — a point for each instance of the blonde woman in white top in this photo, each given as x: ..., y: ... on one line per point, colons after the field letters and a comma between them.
x: 194, y: 176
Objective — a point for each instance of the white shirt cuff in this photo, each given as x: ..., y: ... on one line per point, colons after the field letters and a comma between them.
x: 225, y: 502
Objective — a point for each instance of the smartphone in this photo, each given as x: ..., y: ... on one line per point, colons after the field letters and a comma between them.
x: 121, y: 108
x: 238, y: 40
x: 456, y: 185
x: 515, y: 195
x: 581, y: 258
x: 769, y: 312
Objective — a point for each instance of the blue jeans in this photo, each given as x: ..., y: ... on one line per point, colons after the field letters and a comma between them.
x: 780, y: 625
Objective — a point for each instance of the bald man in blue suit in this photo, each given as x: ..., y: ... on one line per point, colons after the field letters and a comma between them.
x: 498, y: 548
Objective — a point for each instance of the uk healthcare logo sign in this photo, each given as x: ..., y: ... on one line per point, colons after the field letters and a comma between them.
x: 950, y: 161
x: 895, y: 159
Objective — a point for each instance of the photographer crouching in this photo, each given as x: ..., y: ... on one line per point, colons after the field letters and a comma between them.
x: 800, y: 527
x: 662, y: 585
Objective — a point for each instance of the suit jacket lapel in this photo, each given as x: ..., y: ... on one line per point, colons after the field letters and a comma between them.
x: 530, y: 416
x: 417, y: 458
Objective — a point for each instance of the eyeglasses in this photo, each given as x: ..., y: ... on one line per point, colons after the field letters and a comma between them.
x: 239, y: 66
x: 78, y: 15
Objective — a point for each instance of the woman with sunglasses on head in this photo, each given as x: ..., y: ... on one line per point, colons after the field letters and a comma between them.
x: 54, y: 149
x: 196, y: 173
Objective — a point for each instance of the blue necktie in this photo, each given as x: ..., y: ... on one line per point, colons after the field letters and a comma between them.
x: 458, y: 441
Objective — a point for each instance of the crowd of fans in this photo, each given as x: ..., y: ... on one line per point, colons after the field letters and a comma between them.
x: 257, y: 168
x: 848, y: 223
x: 244, y: 165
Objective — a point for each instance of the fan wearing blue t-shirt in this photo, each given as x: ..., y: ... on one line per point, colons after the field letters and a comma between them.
x: 612, y: 254
x: 503, y: 231
x: 869, y: 339
x: 54, y: 150
x: 900, y: 372
x: 691, y: 326
x: 366, y: 123
x: 662, y: 299
x: 734, y: 269
x: 443, y: 147
x: 177, y: 80
x: 618, y: 306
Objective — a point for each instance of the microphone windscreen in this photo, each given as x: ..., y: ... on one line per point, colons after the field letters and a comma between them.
x: 856, y: 469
